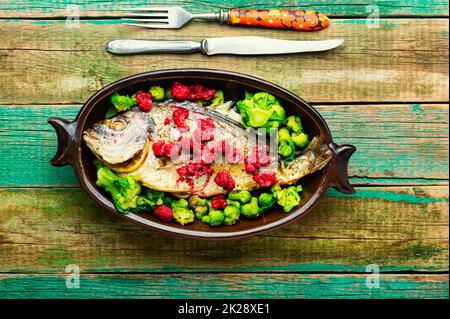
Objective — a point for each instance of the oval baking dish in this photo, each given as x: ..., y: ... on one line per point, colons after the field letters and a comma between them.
x: 73, y: 151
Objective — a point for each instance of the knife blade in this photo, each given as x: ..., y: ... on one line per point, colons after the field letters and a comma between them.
x: 246, y: 45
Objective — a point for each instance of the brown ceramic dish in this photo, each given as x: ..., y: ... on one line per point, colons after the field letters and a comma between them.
x: 72, y: 151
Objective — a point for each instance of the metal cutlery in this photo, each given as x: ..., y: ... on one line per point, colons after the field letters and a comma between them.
x: 177, y: 17
x: 246, y: 45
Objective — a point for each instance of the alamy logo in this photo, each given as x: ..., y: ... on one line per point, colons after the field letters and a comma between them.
x: 73, y: 277
x: 373, y: 279
x: 73, y: 16
x: 373, y: 19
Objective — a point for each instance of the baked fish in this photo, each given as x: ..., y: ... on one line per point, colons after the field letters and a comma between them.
x: 128, y: 143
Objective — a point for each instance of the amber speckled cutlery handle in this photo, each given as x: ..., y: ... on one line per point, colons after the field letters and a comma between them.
x: 301, y: 20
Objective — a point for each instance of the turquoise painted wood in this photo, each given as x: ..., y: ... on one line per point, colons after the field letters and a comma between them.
x: 339, y: 8
x: 46, y: 221
x: 223, y: 285
x: 398, y: 228
x: 387, y: 149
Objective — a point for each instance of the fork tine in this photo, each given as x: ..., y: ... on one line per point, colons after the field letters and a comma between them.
x: 149, y: 25
x: 147, y: 20
x: 148, y: 9
x: 162, y: 14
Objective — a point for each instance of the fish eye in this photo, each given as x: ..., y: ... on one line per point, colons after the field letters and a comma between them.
x: 117, y: 124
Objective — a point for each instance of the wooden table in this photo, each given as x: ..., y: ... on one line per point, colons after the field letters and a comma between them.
x: 385, y: 91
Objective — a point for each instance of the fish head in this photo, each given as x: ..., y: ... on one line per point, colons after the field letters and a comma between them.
x: 120, y: 138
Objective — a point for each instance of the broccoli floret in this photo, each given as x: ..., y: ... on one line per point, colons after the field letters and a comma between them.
x: 111, y: 112
x: 199, y: 206
x: 256, y: 110
x: 150, y: 199
x: 251, y: 209
x: 196, y: 200
x: 157, y: 93
x: 231, y: 214
x: 284, y: 135
x: 233, y: 203
x: 168, y: 94
x: 288, y: 197
x: 218, y: 98
x: 123, y: 102
x: 251, y: 116
x: 158, y: 197
x: 286, y: 150
x: 264, y: 100
x: 124, y: 190
x: 279, y: 114
x: 180, y: 203
x: 143, y: 204
x: 242, y: 196
x: 294, y: 123
x: 286, y: 147
x: 181, y: 212
x: 200, y: 211
x: 214, y: 218
x: 266, y: 200
x: 271, y: 125
x: 300, y: 139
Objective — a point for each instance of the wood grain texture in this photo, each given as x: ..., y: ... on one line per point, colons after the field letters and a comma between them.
x: 402, y: 60
x: 403, y: 229
x: 394, y: 142
x: 233, y: 286
x: 340, y: 8
x: 397, y: 228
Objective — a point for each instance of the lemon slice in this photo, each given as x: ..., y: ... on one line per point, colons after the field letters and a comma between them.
x: 132, y: 164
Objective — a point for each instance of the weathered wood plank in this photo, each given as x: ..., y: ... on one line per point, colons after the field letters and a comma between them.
x: 397, y: 228
x: 224, y: 286
x: 394, y: 141
x: 402, y: 60
x: 99, y: 8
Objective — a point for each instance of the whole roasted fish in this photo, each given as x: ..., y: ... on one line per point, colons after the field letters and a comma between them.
x: 124, y: 143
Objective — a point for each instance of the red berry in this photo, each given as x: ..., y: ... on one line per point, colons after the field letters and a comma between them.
x: 171, y: 149
x: 144, y: 100
x: 224, y: 180
x: 199, y: 91
x: 266, y: 178
x: 249, y: 167
x: 256, y: 159
x: 164, y: 213
x: 167, y: 121
x: 206, y: 123
x: 192, y: 169
x: 205, y: 130
x: 179, y: 118
x: 208, y: 94
x: 182, y: 171
x: 180, y: 91
x: 219, y: 202
x: 195, y: 90
x: 158, y: 148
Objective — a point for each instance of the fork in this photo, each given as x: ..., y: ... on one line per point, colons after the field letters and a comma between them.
x: 177, y: 17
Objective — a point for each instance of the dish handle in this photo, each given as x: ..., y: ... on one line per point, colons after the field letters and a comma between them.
x: 65, y: 132
x: 338, y: 171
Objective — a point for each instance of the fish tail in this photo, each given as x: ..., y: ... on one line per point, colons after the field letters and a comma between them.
x: 315, y: 156
x: 322, y: 153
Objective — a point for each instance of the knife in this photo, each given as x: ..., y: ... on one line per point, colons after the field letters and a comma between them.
x: 247, y: 45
